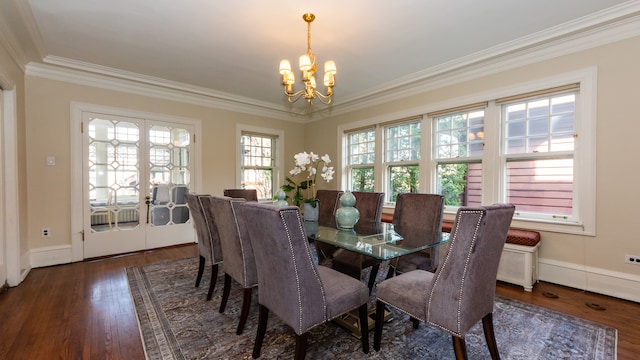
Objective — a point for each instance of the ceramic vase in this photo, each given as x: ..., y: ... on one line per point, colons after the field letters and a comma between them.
x: 347, y: 216
x: 311, y: 211
x: 281, y: 196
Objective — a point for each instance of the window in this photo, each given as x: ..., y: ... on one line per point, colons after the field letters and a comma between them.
x: 538, y: 149
x: 402, y: 156
x: 530, y: 144
x: 458, y: 149
x: 361, y: 159
x: 257, y: 163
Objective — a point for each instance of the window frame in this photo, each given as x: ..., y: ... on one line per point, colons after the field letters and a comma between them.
x: 469, y: 159
x: 506, y: 158
x: 349, y: 166
x: 277, y: 169
x: 387, y: 165
x: 494, y: 169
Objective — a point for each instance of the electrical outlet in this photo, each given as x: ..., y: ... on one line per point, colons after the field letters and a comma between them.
x: 632, y: 259
x: 46, y: 232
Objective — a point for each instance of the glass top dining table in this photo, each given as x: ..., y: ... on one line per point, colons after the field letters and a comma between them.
x: 379, y: 240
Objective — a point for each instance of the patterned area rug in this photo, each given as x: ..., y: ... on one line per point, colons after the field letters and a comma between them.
x: 177, y: 322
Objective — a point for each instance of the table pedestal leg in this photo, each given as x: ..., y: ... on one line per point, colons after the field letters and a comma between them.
x: 351, y: 321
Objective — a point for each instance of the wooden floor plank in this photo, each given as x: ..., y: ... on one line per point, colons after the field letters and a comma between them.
x: 84, y: 310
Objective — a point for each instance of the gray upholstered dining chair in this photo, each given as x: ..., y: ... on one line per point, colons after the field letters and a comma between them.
x: 421, y: 213
x: 302, y: 294
x: 208, y: 240
x: 237, y: 252
x: 328, y: 202
x: 462, y: 290
x: 369, y: 204
x: 247, y: 194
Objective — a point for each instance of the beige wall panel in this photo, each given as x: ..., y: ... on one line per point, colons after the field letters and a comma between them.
x: 48, y: 122
x: 321, y: 138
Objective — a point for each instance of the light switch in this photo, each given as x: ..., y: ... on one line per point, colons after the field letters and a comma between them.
x: 51, y: 160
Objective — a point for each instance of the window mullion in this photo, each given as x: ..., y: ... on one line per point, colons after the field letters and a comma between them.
x: 493, y: 175
x: 426, y: 177
x: 379, y: 170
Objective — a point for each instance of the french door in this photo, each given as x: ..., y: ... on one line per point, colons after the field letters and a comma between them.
x: 136, y: 174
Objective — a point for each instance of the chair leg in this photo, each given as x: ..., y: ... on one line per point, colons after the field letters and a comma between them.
x: 416, y: 323
x: 263, y: 316
x: 489, y: 335
x: 225, y: 292
x: 372, y: 276
x: 301, y: 346
x: 200, y: 270
x: 391, y: 272
x: 212, y: 283
x: 363, y: 312
x: 459, y: 347
x: 246, y: 304
x: 377, y: 335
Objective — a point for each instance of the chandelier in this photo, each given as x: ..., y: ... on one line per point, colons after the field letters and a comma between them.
x: 308, y: 69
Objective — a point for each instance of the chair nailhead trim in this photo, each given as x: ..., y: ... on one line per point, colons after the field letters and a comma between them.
x: 214, y: 261
x: 245, y: 281
x: 452, y: 242
x: 295, y: 264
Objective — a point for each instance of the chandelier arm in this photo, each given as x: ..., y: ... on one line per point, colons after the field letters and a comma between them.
x: 295, y: 96
x: 323, y: 98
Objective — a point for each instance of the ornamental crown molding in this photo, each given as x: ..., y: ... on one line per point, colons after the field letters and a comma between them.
x: 612, y: 25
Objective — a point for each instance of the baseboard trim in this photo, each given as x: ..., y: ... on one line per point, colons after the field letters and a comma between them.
x: 50, y: 255
x: 23, y: 274
x: 601, y: 281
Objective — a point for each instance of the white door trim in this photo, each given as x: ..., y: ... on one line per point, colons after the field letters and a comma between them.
x: 10, y: 192
x: 3, y: 238
x: 77, y: 108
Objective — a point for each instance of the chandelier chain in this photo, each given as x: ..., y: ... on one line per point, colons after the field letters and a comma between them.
x: 309, y: 38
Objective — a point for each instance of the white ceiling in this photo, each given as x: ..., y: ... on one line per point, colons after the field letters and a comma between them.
x: 233, y: 48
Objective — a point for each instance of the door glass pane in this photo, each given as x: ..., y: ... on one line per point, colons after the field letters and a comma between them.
x: 169, y: 175
x: 113, y: 174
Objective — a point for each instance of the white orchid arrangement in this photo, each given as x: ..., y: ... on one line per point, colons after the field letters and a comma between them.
x: 309, y: 162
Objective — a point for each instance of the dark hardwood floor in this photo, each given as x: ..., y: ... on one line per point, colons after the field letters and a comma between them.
x: 620, y: 314
x: 84, y: 310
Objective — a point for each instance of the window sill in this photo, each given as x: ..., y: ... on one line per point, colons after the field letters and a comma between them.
x: 542, y: 225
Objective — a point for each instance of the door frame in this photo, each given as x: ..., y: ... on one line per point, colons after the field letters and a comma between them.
x: 77, y: 108
x: 13, y: 260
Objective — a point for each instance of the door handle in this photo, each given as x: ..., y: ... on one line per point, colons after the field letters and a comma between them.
x: 147, y: 200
